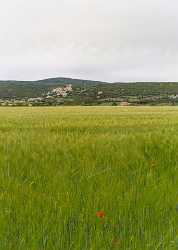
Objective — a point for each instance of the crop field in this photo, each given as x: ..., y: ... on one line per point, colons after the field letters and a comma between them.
x: 89, y: 178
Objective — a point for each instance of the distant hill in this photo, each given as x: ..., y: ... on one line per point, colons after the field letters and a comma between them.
x: 94, y: 92
x: 10, y: 89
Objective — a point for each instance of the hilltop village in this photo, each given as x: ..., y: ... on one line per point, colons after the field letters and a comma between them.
x: 66, y: 95
x: 55, y: 96
x: 56, y: 93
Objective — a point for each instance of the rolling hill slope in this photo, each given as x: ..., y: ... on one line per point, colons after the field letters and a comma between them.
x: 21, y: 89
x: 94, y: 92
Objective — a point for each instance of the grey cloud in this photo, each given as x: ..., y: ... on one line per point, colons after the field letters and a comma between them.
x: 116, y: 40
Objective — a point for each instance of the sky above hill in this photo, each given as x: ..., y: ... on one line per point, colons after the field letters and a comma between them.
x: 116, y: 40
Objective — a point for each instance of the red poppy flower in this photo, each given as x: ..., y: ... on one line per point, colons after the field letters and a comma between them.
x: 100, y: 214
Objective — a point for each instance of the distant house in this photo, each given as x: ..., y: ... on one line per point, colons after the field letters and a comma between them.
x: 68, y: 88
x: 62, y: 91
x: 124, y: 104
x: 173, y: 96
x: 36, y: 99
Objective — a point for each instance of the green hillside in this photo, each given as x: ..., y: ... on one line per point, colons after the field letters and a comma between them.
x: 10, y: 89
x: 87, y: 92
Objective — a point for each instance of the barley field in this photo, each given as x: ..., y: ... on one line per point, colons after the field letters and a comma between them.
x: 89, y: 178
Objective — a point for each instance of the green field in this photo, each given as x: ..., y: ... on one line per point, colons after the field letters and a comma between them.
x: 60, y: 166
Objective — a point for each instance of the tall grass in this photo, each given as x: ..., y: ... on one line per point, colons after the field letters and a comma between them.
x: 59, y: 166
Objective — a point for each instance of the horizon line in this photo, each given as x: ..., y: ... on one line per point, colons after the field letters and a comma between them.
x: 82, y: 79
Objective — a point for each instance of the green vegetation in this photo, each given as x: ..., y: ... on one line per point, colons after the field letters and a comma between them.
x: 22, y: 89
x: 60, y: 166
x: 86, y: 92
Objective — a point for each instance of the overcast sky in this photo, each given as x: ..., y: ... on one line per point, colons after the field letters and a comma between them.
x: 115, y: 40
